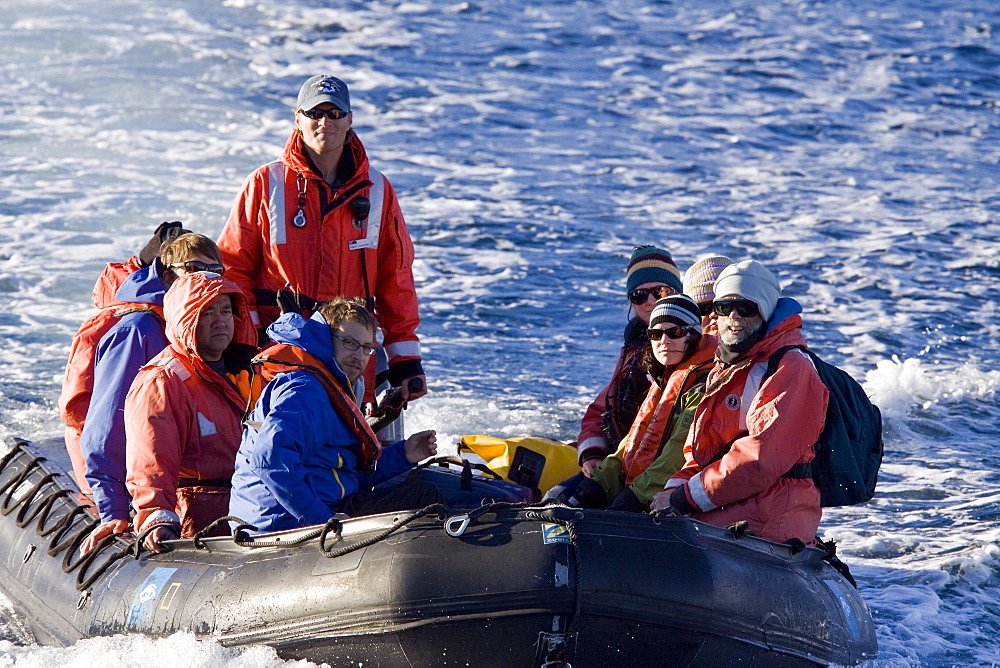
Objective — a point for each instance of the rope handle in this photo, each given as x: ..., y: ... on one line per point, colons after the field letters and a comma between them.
x: 445, y: 460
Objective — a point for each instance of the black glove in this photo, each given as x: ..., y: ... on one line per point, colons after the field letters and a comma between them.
x: 401, y: 371
x: 287, y: 302
x: 578, y: 491
x: 627, y: 501
x: 587, y: 494
x: 163, y: 233
x: 680, y: 503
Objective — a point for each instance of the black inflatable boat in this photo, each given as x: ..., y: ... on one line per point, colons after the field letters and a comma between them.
x: 502, y: 585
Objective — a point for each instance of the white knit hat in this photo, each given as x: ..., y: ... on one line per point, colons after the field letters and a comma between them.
x: 751, y: 280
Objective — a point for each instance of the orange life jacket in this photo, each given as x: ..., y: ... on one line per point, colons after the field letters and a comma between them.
x: 78, y: 383
x: 281, y: 358
x: 656, y: 415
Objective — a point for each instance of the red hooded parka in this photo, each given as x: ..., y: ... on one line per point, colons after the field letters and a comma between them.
x: 183, y: 419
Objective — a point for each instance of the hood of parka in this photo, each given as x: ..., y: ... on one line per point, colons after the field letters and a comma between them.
x: 311, y: 335
x: 188, y: 296
x: 144, y: 285
x: 111, y: 279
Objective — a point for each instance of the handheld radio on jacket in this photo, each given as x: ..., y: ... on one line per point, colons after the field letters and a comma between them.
x: 360, y: 208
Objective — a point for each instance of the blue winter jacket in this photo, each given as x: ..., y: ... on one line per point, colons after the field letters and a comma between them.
x: 299, y: 460
x: 134, y: 340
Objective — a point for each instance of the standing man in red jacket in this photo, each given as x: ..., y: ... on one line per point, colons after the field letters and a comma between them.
x: 321, y: 222
x: 748, y: 451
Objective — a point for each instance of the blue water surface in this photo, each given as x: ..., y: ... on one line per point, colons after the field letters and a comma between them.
x: 850, y: 146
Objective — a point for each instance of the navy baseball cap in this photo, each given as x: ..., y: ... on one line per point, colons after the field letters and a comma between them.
x: 324, y: 88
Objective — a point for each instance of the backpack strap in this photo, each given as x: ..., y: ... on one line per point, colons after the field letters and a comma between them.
x: 775, y: 359
x: 801, y: 470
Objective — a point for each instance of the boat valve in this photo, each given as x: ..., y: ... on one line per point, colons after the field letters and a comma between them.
x: 82, y: 601
x: 462, y: 522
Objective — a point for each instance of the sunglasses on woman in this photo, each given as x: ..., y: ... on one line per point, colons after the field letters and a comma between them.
x: 745, y: 307
x: 640, y: 296
x: 671, y: 333
x: 193, y: 266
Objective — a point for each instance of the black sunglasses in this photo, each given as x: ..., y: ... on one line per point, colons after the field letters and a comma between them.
x: 745, y: 307
x: 672, y: 333
x: 640, y: 296
x: 193, y: 266
x: 705, y: 308
x: 332, y: 114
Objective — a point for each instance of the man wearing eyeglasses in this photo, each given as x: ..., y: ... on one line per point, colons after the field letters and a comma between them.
x: 321, y: 222
x: 751, y: 434
x: 137, y: 337
x: 308, y: 452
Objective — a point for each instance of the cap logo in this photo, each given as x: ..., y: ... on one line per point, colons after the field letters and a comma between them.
x: 326, y: 86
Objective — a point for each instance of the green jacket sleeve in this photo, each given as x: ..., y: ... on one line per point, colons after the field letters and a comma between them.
x: 671, y: 457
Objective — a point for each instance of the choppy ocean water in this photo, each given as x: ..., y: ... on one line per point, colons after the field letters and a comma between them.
x: 850, y: 146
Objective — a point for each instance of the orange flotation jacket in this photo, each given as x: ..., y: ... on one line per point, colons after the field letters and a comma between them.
x: 653, y: 423
x: 78, y: 380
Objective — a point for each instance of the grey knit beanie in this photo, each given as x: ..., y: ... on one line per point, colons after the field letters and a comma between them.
x: 750, y: 280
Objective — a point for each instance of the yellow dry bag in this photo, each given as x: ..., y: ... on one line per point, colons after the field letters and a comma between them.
x: 537, y: 463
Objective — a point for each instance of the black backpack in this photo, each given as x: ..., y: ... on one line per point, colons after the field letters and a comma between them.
x: 849, y: 450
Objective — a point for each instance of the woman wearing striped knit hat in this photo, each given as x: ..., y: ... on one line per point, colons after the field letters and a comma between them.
x: 678, y: 358
x: 651, y: 275
x: 699, y: 281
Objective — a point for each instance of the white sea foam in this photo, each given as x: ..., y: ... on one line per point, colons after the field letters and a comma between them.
x: 128, y: 651
x: 896, y: 386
